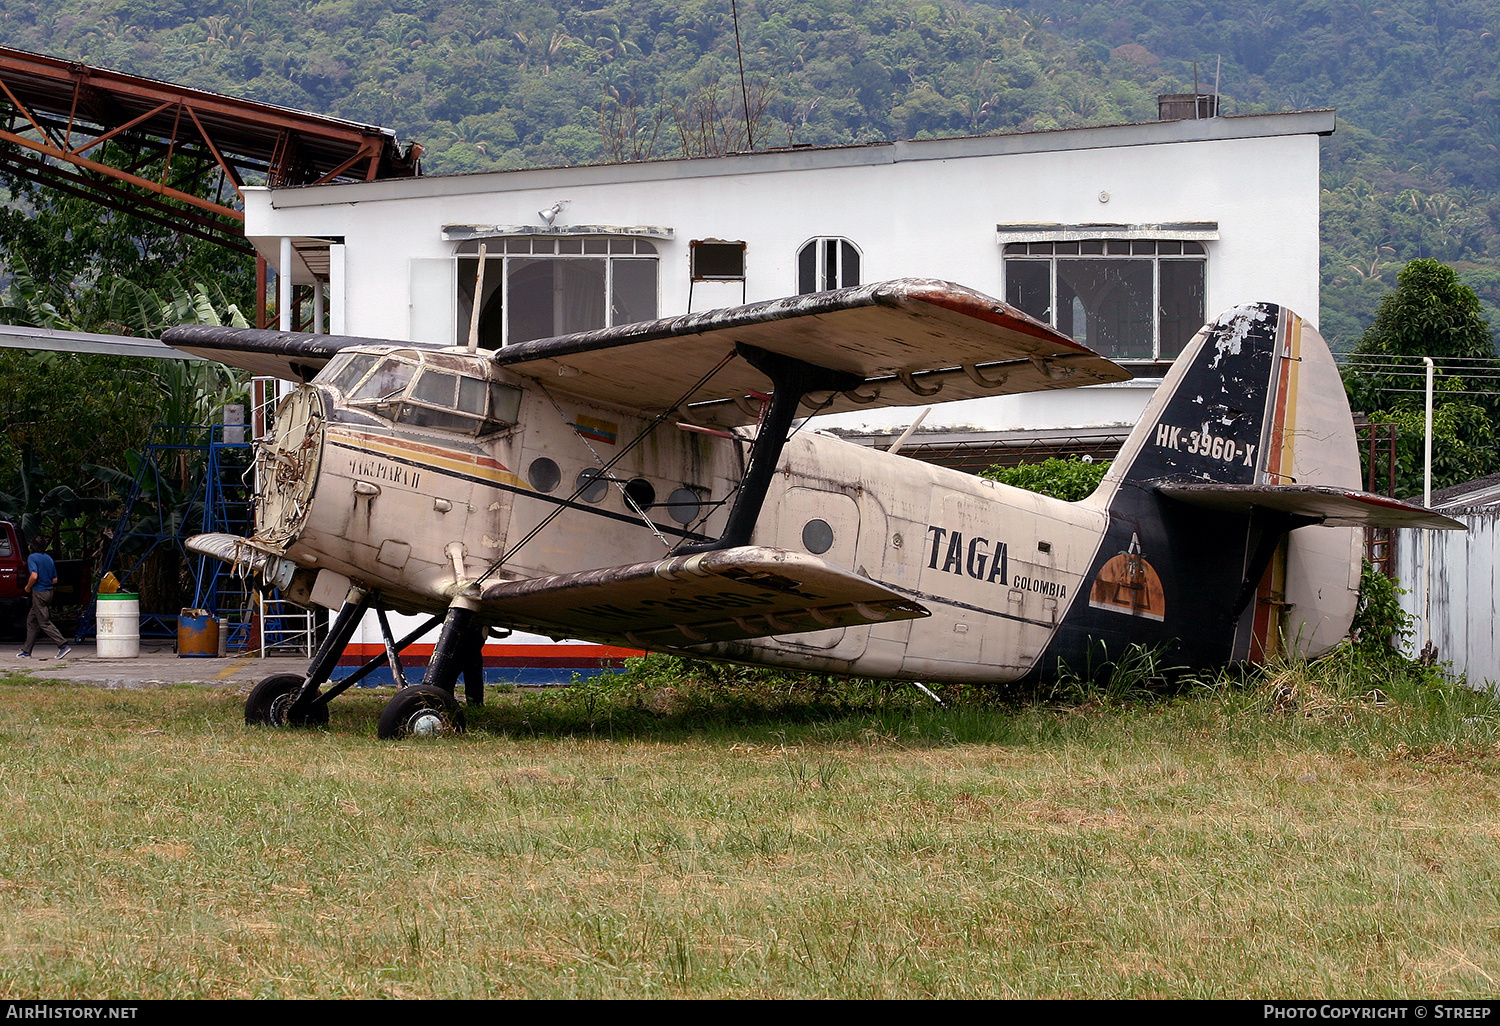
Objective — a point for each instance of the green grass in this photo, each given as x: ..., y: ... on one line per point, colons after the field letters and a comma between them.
x: 689, y: 831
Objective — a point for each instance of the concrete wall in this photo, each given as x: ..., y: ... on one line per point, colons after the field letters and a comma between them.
x: 1461, y: 606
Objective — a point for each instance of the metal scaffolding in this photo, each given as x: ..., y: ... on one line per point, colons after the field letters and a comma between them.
x: 188, y: 481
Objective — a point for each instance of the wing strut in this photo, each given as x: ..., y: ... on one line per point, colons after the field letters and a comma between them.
x: 791, y: 380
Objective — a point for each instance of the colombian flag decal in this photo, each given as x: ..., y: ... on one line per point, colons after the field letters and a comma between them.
x: 595, y: 429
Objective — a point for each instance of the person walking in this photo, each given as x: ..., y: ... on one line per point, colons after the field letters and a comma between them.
x: 40, y: 587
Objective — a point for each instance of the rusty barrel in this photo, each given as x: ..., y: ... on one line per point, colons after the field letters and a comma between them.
x: 197, y: 634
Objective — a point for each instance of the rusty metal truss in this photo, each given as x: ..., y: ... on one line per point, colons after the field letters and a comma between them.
x: 149, y: 148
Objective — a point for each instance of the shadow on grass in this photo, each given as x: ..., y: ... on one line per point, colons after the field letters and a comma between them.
x: 1351, y: 700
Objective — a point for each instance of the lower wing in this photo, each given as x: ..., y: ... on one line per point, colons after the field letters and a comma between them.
x: 729, y: 595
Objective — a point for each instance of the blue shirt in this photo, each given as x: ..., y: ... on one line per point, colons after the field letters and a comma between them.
x: 41, y: 564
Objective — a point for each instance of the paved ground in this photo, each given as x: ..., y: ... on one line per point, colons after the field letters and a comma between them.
x: 158, y: 665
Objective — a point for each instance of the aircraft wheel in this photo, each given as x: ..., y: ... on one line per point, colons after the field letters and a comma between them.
x: 421, y: 711
x: 269, y: 701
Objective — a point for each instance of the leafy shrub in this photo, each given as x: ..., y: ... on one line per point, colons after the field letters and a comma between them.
x: 1070, y: 479
x: 1379, y: 621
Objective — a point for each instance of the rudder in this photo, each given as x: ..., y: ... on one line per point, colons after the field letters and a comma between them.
x: 1254, y: 399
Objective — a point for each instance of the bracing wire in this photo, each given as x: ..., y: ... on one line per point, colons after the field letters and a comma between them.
x: 582, y: 486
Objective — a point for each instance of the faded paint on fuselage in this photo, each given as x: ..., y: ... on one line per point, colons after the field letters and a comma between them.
x: 995, y: 565
x: 392, y: 499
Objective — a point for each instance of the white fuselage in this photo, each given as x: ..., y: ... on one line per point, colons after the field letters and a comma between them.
x: 393, y: 504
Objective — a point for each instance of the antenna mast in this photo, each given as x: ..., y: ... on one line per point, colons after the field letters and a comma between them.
x: 744, y: 93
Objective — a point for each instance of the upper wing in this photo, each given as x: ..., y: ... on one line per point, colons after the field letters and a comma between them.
x: 729, y: 595
x: 913, y: 341
x: 293, y: 355
x: 1333, y: 507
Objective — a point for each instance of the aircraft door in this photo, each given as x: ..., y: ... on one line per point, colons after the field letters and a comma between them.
x: 825, y: 524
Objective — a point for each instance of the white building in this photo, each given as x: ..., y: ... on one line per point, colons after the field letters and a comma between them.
x: 1127, y: 237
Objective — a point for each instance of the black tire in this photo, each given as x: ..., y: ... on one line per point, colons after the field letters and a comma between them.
x: 13, y: 620
x: 420, y: 709
x: 267, y: 704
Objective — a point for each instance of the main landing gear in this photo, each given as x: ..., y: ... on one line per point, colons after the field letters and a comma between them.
x: 416, y: 710
x: 422, y: 711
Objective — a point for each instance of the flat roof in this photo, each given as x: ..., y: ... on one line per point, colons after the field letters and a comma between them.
x: 806, y: 158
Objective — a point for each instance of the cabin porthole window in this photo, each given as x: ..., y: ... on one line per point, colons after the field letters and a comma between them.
x: 684, y: 505
x: 543, y: 474
x: 817, y: 536
x: 592, y: 486
x: 826, y: 264
x: 641, y: 493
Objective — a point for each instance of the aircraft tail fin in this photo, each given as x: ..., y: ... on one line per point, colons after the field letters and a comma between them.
x: 1255, y: 399
x: 1248, y: 438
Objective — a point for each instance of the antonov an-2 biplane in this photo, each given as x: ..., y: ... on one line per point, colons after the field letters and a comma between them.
x: 650, y: 485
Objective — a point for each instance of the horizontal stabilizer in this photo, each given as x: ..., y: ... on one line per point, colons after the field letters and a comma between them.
x: 231, y: 549
x: 293, y: 355
x: 729, y: 595
x: 1330, y: 506
x: 914, y: 341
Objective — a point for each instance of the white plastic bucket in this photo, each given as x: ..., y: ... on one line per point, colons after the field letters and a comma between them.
x: 117, y: 618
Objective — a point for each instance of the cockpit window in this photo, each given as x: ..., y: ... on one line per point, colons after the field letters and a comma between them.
x: 345, y: 370
x: 433, y: 390
x: 505, y: 403
x: 387, y: 383
x: 426, y: 416
x: 471, y: 396
x: 437, y: 388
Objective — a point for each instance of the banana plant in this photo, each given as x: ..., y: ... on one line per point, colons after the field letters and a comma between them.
x: 34, y: 506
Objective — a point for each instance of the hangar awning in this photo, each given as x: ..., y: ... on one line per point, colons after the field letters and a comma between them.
x: 151, y: 148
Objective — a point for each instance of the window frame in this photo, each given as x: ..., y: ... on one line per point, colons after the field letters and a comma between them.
x: 502, y: 250
x: 702, y: 253
x: 819, y: 245
x: 502, y: 400
x: 1112, y: 248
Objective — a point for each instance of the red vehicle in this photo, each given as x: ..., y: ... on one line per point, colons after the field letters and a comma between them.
x: 72, y: 585
x: 13, y: 575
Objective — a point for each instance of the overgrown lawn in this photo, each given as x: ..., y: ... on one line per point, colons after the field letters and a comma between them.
x: 691, y: 831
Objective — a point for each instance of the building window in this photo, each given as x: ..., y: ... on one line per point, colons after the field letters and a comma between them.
x: 827, y: 264
x: 541, y: 287
x: 1133, y: 300
x: 716, y: 260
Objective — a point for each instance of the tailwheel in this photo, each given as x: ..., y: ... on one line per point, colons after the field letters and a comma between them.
x: 422, y: 711
x: 270, y: 704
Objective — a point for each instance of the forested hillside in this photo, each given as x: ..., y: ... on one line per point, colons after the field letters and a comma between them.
x: 509, y: 83
x: 1413, y: 170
